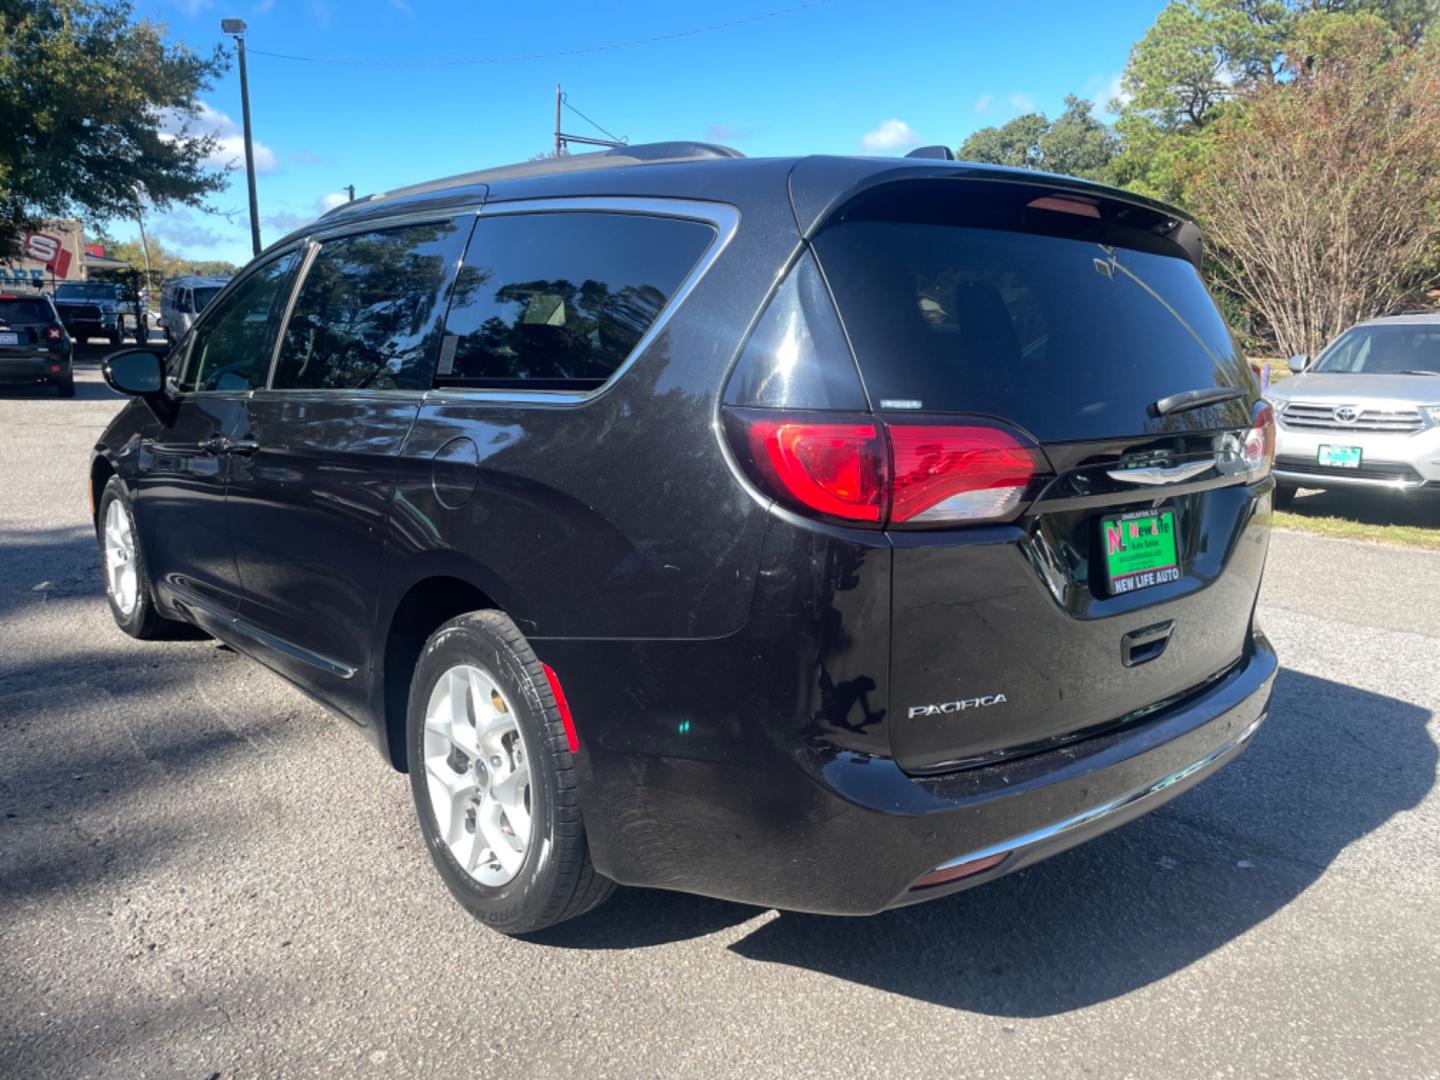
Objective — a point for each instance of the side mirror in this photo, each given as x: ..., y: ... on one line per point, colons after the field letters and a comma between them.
x: 136, y: 372
x: 1299, y: 362
x: 141, y: 373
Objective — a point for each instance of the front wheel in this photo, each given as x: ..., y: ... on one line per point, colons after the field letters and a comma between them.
x: 493, y: 779
x: 127, y: 582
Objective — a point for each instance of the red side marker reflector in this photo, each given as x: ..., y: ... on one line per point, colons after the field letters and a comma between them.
x: 571, y: 739
x: 964, y: 870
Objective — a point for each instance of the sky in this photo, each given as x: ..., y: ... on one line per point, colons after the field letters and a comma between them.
x: 783, y: 78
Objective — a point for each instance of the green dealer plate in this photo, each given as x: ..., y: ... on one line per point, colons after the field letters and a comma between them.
x: 1139, y: 550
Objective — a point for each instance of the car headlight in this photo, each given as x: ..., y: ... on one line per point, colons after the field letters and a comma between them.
x: 1275, y: 403
x: 1433, y: 411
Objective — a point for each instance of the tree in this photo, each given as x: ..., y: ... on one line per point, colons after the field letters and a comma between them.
x: 1075, y: 144
x: 163, y: 263
x: 86, y: 98
x: 1321, y: 198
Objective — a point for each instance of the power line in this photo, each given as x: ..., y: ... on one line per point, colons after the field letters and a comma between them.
x: 548, y: 55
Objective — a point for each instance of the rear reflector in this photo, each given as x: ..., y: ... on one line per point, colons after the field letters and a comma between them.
x: 963, y: 870
x: 54, y: 333
x: 865, y: 470
x: 572, y: 740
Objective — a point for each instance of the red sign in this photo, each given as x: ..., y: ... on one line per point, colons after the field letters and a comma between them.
x: 47, y: 249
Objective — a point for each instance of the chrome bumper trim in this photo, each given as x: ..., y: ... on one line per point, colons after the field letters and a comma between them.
x: 1095, y: 813
x: 1312, y: 480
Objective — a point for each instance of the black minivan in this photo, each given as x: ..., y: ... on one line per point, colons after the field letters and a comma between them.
x: 827, y: 534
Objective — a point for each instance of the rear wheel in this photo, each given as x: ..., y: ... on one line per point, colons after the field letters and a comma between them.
x: 494, y: 779
x: 1284, y: 496
x: 127, y: 582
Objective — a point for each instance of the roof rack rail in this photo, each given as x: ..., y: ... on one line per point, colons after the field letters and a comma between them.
x: 640, y: 154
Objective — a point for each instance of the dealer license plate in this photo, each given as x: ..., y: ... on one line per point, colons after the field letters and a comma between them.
x: 1339, y: 457
x: 1139, y: 550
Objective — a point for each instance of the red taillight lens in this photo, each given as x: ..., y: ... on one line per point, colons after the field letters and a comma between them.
x: 861, y: 469
x: 1259, y: 450
x: 956, y: 473
x: 832, y: 468
x: 54, y: 333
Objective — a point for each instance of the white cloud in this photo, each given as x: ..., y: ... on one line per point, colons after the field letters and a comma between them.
x: 193, y: 7
x: 891, y: 135
x: 1022, y: 102
x: 263, y: 6
x: 229, y: 152
x: 983, y: 103
x: 402, y: 6
x: 1105, y: 90
x: 332, y: 200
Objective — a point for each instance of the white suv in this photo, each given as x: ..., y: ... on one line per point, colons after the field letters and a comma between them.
x: 1365, y: 413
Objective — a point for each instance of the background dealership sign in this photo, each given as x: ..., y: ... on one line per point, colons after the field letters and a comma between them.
x: 51, y: 253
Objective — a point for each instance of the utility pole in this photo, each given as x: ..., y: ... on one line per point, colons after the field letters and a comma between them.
x: 237, y: 28
x: 563, y: 140
x: 559, y: 139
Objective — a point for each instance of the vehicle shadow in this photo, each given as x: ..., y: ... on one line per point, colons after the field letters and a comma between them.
x: 1371, y: 508
x: 1333, y: 764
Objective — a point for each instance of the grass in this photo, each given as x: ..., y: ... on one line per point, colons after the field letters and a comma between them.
x: 1378, y: 518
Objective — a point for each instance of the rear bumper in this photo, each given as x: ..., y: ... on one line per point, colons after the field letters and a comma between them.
x: 32, y: 367
x: 815, y: 828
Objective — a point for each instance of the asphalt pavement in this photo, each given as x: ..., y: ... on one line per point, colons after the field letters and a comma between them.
x: 203, y: 873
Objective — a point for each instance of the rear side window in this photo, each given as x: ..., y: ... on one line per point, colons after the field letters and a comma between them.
x: 25, y: 311
x: 559, y: 300
x: 230, y: 349
x: 369, y: 310
x: 1044, y: 319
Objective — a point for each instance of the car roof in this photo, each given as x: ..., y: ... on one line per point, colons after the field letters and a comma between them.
x: 815, y: 184
x: 189, y: 281
x: 1409, y: 318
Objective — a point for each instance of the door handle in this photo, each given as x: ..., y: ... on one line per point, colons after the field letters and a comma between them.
x: 1161, y: 474
x: 217, y: 444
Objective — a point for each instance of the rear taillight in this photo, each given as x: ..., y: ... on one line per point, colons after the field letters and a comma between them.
x: 836, y: 469
x: 957, y: 473
x: 1259, y: 448
x: 861, y: 469
x: 54, y: 333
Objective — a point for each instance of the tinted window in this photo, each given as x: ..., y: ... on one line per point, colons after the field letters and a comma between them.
x: 369, y: 311
x: 25, y: 311
x: 560, y: 300
x: 85, y: 290
x: 1381, y: 350
x: 230, y: 349
x: 1070, y: 338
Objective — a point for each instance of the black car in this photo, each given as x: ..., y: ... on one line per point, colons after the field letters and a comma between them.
x: 98, y: 309
x: 826, y: 534
x: 34, y: 347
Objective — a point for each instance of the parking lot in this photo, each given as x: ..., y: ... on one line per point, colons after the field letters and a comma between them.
x: 202, y: 872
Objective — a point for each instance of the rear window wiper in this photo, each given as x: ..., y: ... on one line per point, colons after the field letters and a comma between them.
x: 1195, y: 399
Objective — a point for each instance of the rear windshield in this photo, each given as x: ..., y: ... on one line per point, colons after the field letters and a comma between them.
x: 25, y: 311
x: 1061, y: 330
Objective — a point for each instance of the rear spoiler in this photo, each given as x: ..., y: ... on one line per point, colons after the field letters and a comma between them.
x: 822, y: 186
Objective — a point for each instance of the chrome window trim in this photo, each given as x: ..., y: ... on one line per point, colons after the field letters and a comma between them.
x: 722, y: 217
x: 312, y: 248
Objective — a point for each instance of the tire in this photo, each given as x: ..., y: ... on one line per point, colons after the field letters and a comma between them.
x: 1284, y: 496
x: 116, y: 336
x: 505, y: 709
x: 139, y: 619
x: 66, y: 386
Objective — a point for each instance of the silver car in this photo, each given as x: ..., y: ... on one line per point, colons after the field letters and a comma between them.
x: 1365, y: 414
